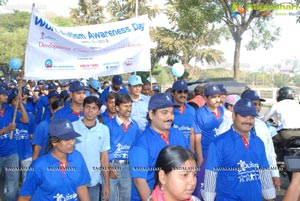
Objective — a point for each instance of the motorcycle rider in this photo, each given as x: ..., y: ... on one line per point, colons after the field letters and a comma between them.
x: 287, y: 111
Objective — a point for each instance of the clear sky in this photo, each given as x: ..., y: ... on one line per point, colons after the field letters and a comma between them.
x: 286, y: 47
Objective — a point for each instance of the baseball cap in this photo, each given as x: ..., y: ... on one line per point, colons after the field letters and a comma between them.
x: 12, y: 93
x: 117, y: 79
x: 64, y: 94
x: 95, y: 84
x: 3, y: 91
x: 222, y: 88
x: 245, y: 107
x: 76, y: 86
x: 252, y: 95
x: 62, y: 129
x: 41, y: 82
x: 232, y: 99
x: 211, y: 90
x: 179, y: 85
x: 52, y: 86
x: 64, y: 84
x: 53, y: 94
x: 25, y: 91
x: 160, y: 100
x: 36, y: 88
x: 134, y: 80
x: 155, y: 88
x: 45, y: 87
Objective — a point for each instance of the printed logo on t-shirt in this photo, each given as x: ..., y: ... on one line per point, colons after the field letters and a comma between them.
x: 247, y: 172
x: 61, y: 197
x: 4, y: 136
x: 21, y: 134
x: 121, y: 151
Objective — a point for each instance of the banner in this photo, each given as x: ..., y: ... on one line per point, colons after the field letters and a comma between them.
x: 54, y: 52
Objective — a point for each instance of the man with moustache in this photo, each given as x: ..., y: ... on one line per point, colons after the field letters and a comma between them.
x: 237, y: 167
x: 184, y: 113
x: 144, y: 151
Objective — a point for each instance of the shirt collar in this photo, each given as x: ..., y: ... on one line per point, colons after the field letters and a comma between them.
x: 120, y: 121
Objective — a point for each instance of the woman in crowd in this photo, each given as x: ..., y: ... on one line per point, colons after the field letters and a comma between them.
x: 61, y: 174
x: 176, y: 170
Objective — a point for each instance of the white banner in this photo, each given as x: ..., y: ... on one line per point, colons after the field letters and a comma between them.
x: 87, y: 51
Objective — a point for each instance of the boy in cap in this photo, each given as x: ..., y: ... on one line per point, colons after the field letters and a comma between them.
x: 61, y: 174
x: 116, y: 86
x: 94, y: 86
x: 73, y: 110
x: 139, y: 101
x: 158, y: 134
x: 184, y: 114
x: 237, y: 167
x: 229, y: 102
x: 208, y: 119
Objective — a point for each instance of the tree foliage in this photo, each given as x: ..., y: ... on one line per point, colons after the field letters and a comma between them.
x: 120, y: 10
x: 3, y: 2
x: 190, y: 35
x: 88, y: 12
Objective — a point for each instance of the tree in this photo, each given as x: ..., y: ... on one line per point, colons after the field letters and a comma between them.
x: 190, y: 35
x: 125, y: 9
x: 3, y: 2
x: 88, y: 12
x: 13, y: 37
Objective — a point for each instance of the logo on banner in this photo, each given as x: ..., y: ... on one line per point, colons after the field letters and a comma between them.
x: 129, y: 62
x: 48, y: 63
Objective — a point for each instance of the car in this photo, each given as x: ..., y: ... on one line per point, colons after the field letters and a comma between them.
x: 232, y: 86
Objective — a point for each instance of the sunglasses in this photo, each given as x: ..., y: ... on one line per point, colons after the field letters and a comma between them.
x: 182, y: 91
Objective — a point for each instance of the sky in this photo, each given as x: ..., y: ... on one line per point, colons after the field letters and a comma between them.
x: 286, y: 47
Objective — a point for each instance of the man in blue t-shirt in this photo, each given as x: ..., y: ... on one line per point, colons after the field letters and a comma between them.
x: 116, y: 86
x: 144, y: 151
x: 237, y: 167
x: 8, y: 147
x: 123, y: 132
x: 73, y: 111
x: 184, y: 113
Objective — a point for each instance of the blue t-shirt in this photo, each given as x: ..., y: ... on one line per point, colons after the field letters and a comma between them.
x: 105, y: 116
x: 144, y: 152
x: 207, y: 124
x: 46, y: 181
x: 7, y: 146
x: 41, y: 136
x: 67, y: 113
x: 22, y: 135
x: 237, y: 167
x: 40, y: 106
x: 29, y: 105
x: 120, y: 142
x: 184, y: 121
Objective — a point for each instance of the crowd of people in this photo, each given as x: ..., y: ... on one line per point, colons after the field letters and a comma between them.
x: 101, y: 141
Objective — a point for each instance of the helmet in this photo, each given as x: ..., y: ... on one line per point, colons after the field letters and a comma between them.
x: 285, y: 93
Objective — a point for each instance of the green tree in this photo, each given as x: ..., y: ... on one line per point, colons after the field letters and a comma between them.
x: 62, y: 21
x: 189, y: 36
x: 251, y: 16
x: 3, y: 2
x: 13, y: 37
x: 88, y: 12
x: 125, y: 9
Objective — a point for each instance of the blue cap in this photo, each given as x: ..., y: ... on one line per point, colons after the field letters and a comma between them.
x: 12, y: 93
x: 117, y: 79
x: 64, y: 94
x: 3, y: 91
x: 95, y: 84
x: 179, y: 85
x: 160, y: 100
x: 25, y: 91
x: 155, y: 88
x: 62, y: 129
x: 211, y: 90
x: 77, y: 86
x: 252, y: 95
x: 52, y: 86
x: 222, y: 88
x: 41, y: 82
x: 45, y: 87
x: 53, y: 93
x: 64, y: 84
x: 134, y: 80
x: 245, y: 107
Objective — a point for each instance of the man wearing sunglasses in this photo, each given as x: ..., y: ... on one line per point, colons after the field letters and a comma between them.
x: 184, y: 114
